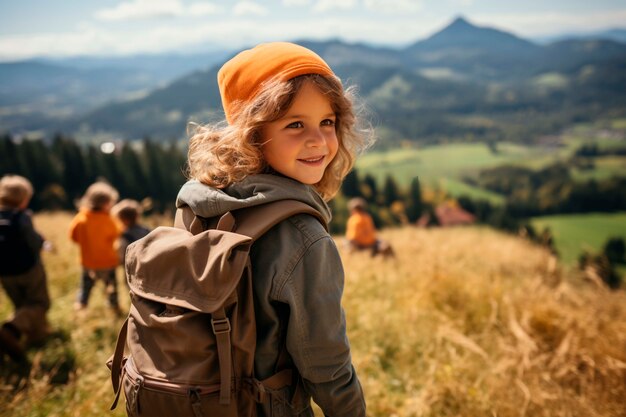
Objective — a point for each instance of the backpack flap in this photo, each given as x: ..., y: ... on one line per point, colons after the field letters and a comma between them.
x: 196, y: 272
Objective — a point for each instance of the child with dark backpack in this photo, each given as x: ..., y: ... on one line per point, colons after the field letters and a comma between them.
x: 22, y: 273
x: 128, y: 212
x: 237, y: 311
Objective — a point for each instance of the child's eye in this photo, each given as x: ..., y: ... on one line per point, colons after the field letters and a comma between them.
x: 328, y: 122
x: 295, y: 125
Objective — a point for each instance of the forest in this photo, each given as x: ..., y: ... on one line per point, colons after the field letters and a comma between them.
x: 61, y: 169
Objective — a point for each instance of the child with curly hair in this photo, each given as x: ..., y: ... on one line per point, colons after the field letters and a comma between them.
x: 290, y: 133
x: 96, y: 232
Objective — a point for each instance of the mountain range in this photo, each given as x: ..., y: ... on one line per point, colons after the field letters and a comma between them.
x: 464, y: 81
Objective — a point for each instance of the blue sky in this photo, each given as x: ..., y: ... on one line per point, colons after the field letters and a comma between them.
x: 119, y: 27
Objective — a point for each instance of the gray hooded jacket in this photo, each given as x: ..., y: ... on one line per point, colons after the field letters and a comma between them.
x: 298, y: 284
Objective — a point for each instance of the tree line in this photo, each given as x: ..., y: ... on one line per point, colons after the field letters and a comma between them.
x: 552, y: 190
x: 61, y: 169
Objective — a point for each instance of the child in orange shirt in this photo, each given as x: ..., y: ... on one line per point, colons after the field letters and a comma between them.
x: 95, y: 231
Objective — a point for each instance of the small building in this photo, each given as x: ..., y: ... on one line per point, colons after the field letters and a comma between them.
x: 447, y: 215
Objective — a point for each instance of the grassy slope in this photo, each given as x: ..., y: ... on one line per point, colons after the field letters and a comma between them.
x: 464, y: 322
x: 471, y: 322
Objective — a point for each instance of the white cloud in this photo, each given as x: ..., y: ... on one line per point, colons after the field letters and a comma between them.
x: 249, y: 8
x: 394, y: 6
x: 225, y: 33
x: 141, y: 9
x: 233, y: 32
x: 150, y: 9
x: 203, y: 9
x: 296, y: 3
x: 548, y: 23
x: 462, y: 3
x: 330, y: 5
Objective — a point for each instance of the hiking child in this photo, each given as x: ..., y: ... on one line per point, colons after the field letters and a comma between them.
x: 22, y: 273
x: 361, y: 232
x: 96, y: 232
x: 290, y: 134
x: 127, y: 212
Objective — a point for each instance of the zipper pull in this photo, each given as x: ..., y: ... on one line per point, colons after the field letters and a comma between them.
x: 196, y: 402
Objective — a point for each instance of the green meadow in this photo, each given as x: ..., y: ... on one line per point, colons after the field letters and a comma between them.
x: 444, y: 166
x: 574, y: 234
x: 431, y: 163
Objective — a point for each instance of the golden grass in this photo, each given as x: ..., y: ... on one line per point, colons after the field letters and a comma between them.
x: 471, y: 322
x: 465, y: 322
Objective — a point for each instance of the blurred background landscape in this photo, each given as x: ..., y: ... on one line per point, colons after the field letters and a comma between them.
x: 507, y: 119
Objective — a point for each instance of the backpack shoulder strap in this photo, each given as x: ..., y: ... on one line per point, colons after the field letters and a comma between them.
x: 187, y: 220
x: 255, y: 221
x: 11, y: 217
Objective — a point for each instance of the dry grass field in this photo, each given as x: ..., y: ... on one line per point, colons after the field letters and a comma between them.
x: 464, y: 322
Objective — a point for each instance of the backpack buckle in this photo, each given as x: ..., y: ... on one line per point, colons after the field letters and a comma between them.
x: 259, y: 393
x: 220, y: 325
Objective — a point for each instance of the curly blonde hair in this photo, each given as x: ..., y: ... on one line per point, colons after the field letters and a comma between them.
x: 220, y: 155
x: 98, y: 195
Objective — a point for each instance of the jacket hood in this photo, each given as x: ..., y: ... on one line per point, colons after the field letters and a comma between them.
x: 206, y: 201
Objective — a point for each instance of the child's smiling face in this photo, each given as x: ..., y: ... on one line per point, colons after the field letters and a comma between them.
x: 302, y: 143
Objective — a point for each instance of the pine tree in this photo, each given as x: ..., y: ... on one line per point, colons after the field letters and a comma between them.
x: 73, y: 173
x: 415, y: 205
x: 9, y: 159
x: 114, y: 173
x: 390, y: 191
x: 41, y: 170
x: 132, y: 173
x: 350, y: 186
x: 155, y: 161
x: 96, y: 168
x: 176, y: 161
x: 369, y: 188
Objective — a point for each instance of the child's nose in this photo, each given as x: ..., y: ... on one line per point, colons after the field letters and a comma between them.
x: 316, y: 138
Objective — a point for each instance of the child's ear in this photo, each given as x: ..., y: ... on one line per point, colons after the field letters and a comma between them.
x: 24, y: 204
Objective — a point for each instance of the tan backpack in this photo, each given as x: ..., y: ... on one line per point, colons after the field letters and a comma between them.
x: 190, y: 335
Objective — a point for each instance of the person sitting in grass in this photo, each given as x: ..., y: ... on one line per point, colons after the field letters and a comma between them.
x: 361, y: 232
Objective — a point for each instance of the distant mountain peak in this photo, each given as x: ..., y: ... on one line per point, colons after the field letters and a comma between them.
x: 461, y: 25
x: 460, y: 21
x: 463, y: 34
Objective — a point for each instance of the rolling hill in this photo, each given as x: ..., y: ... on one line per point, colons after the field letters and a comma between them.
x: 462, y: 82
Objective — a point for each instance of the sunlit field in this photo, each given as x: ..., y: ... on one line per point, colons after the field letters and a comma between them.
x: 464, y: 322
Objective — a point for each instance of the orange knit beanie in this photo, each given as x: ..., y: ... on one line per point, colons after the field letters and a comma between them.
x: 240, y: 79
